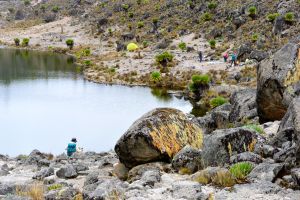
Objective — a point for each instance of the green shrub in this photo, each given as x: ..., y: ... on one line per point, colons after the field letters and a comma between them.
x: 256, y: 128
x: 55, y: 187
x: 254, y: 37
x: 27, y: 2
x: 212, y: 43
x: 55, y: 9
x: 140, y: 24
x: 145, y: 43
x: 70, y: 43
x: 271, y: 17
x: 241, y: 170
x: 289, y: 17
x: 212, y: 5
x: 43, y: 8
x: 182, y: 46
x: 155, y: 76
x: 25, y: 42
x: 155, y: 20
x: 206, y: 16
x: 17, y: 41
x: 87, y: 63
x: 199, y: 81
x: 164, y: 58
x: 130, y: 15
x: 252, y: 11
x: 125, y: 7
x: 217, y: 101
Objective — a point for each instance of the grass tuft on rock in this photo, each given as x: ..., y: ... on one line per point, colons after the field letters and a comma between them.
x: 241, y: 170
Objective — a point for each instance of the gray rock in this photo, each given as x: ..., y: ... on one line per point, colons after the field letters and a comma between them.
x: 120, y: 171
x: 67, y: 172
x: 266, y: 171
x: 106, y: 188
x: 246, y: 156
x: 188, y: 158
x: 158, y: 135
x: 35, y: 157
x: 149, y: 178
x: 187, y: 190
x: 91, y: 178
x: 15, y: 197
x: 7, y: 188
x: 278, y: 25
x: 295, y: 173
x: 44, y: 173
x: 258, y: 55
x: 137, y: 172
x: 219, y: 145
x: 277, y: 76
x: 244, y: 105
x: 19, y: 15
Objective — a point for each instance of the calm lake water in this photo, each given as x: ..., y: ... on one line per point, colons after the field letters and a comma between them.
x: 44, y: 102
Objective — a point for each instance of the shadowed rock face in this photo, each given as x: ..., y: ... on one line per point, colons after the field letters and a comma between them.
x: 158, y: 135
x: 277, y: 80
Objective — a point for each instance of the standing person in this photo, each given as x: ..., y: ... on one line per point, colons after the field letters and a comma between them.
x: 72, y: 147
x: 200, y: 56
x: 233, y: 59
x: 225, y: 56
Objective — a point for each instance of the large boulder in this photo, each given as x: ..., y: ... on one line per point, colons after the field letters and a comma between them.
x: 158, y: 135
x: 221, y: 144
x: 244, y: 105
x: 277, y: 81
x: 289, y: 132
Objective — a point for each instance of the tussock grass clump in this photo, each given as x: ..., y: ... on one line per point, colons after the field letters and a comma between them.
x: 17, y: 41
x: 272, y: 16
x: 55, y: 187
x: 256, y: 128
x: 70, y: 43
x: 289, y: 17
x: 212, y: 44
x: 155, y: 76
x: 206, y: 17
x: 199, y: 81
x: 25, y: 42
x: 223, y: 178
x: 217, y: 101
x: 252, y: 11
x: 164, y: 58
x: 241, y: 170
x: 182, y: 46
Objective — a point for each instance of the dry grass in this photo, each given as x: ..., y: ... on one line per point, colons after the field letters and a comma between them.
x: 35, y: 191
x: 78, y: 197
x: 223, y: 178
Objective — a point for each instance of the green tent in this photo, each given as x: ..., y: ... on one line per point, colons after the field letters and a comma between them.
x: 132, y: 47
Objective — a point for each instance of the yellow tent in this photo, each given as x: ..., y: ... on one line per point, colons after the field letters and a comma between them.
x: 132, y: 47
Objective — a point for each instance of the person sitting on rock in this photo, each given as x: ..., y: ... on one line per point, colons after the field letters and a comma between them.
x: 72, y: 147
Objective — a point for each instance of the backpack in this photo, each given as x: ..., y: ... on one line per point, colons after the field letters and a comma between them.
x: 71, y: 148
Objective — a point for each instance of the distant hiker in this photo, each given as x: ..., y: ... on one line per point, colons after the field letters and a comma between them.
x: 233, y: 59
x: 225, y: 56
x: 72, y: 147
x: 200, y: 56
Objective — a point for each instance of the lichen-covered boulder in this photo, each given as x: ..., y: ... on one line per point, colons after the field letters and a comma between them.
x: 158, y: 135
x: 220, y: 145
x: 278, y: 77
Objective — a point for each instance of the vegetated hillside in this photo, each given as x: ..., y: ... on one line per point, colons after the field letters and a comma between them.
x: 266, y: 24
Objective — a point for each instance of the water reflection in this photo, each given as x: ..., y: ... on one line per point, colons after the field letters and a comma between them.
x: 16, y: 64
